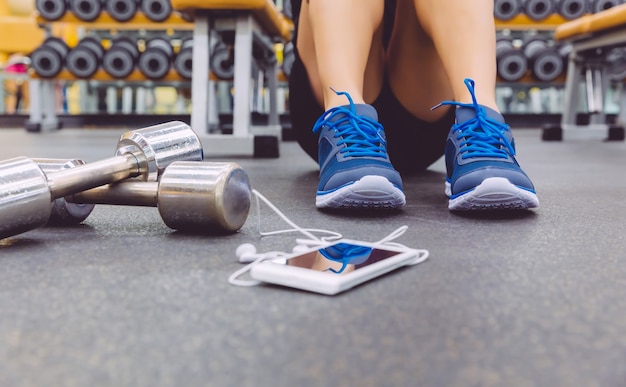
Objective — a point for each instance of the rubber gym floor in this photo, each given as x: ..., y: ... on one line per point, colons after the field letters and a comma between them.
x: 532, y: 298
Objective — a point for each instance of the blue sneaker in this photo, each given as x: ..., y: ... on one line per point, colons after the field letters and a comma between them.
x: 355, y: 170
x: 482, y: 173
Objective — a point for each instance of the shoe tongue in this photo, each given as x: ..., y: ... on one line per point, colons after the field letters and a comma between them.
x: 467, y: 113
x: 361, y: 109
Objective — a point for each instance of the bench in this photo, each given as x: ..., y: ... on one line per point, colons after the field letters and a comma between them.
x: 592, y: 39
x: 257, y: 25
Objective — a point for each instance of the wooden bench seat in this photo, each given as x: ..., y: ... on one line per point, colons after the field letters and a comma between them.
x: 265, y: 12
x: 19, y: 34
x: 592, y: 39
x: 257, y: 26
x: 589, y: 25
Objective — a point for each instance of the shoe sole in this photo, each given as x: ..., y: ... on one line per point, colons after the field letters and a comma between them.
x: 368, y: 192
x: 494, y: 193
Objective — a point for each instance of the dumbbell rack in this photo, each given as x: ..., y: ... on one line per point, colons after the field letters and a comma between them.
x: 532, y: 92
x: 250, y: 84
x: 525, y: 91
x: 43, y: 115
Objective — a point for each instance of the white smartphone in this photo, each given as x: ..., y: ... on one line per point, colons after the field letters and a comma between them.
x: 335, y: 267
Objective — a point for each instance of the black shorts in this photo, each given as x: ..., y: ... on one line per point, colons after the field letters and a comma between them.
x: 413, y: 144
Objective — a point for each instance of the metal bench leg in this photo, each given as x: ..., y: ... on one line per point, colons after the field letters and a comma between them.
x: 140, y: 97
x: 49, y: 102
x: 572, y: 90
x: 200, y: 74
x: 127, y: 100
x: 213, y: 115
x: 242, y: 81
x: 272, y: 85
x: 36, y: 115
x: 111, y: 100
x: 595, y: 93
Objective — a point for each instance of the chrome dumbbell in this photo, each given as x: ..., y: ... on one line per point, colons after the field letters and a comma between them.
x: 121, y: 10
x: 506, y: 9
x: 120, y: 59
x: 572, y: 9
x: 544, y: 60
x: 539, y: 10
x: 86, y: 10
x: 49, y: 58
x: 26, y: 191
x: 156, y: 10
x: 190, y: 196
x: 63, y: 212
x: 184, y: 59
x: 511, y: 62
x: 84, y: 60
x: 51, y: 9
x: 156, y: 60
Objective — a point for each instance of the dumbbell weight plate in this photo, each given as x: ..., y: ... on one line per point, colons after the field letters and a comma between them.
x: 64, y: 213
x: 538, y: 9
x: 46, y: 62
x: 127, y: 43
x: 603, y: 5
x: 82, y: 62
x: 572, y: 9
x: 154, y: 65
x: 86, y: 10
x: 204, y: 197
x: 24, y: 196
x: 511, y: 62
x: 58, y: 45
x: 118, y: 62
x: 548, y: 65
x: 156, y: 10
x: 200, y: 197
x: 49, y: 58
x: 94, y: 44
x: 51, y: 9
x: 162, y: 144
x: 507, y: 9
x: 183, y: 63
x: 121, y: 10
x: 222, y: 62
x: 155, y: 61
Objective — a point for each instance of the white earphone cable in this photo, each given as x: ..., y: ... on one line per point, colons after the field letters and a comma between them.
x: 312, y: 241
x: 306, y: 231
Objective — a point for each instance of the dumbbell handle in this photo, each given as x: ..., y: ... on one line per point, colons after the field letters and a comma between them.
x: 128, y: 193
x: 87, y: 176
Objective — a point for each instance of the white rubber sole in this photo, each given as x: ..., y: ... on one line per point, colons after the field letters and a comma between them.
x: 494, y: 193
x: 368, y: 192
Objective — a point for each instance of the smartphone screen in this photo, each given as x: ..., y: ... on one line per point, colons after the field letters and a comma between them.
x: 340, y: 258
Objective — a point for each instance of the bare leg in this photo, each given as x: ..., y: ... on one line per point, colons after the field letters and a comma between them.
x: 340, y: 44
x: 435, y: 45
x: 464, y: 34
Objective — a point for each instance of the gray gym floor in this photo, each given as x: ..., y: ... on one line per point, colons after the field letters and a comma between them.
x: 535, y: 298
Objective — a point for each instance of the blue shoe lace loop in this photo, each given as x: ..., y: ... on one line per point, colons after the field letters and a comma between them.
x: 480, y: 136
x: 361, y: 135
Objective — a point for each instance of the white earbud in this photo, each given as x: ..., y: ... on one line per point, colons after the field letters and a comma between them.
x: 246, y: 253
